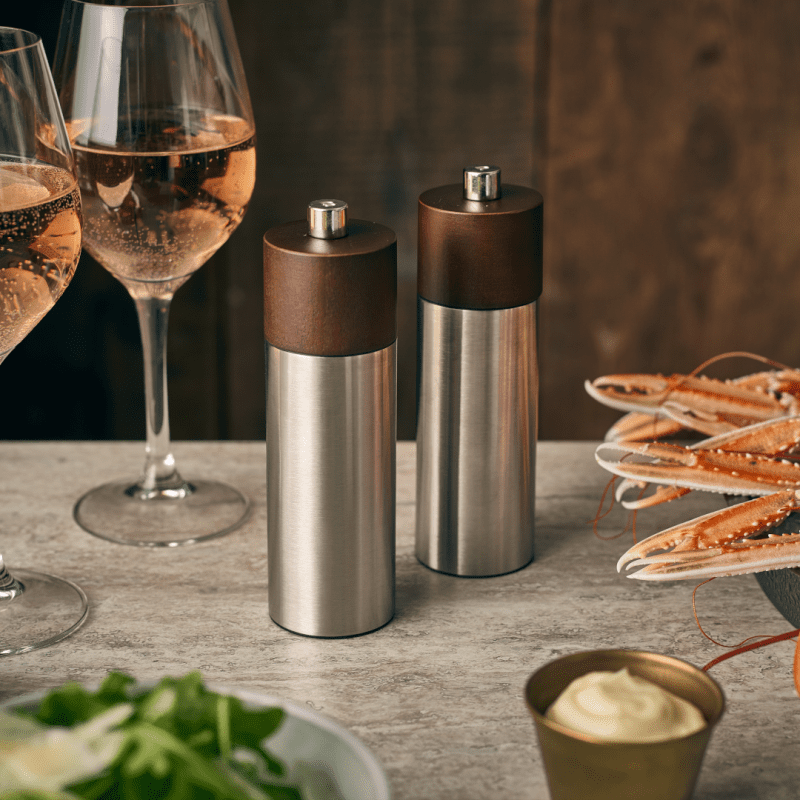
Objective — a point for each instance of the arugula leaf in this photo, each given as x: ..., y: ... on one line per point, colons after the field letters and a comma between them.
x: 182, y: 742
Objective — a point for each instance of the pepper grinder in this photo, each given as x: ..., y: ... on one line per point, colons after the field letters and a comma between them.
x: 330, y: 329
x: 479, y: 277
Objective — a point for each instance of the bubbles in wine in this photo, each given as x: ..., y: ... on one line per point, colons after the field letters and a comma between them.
x: 40, y: 243
x: 158, y: 211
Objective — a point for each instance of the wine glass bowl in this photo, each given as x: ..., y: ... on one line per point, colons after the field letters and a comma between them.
x: 40, y: 207
x: 40, y: 244
x: 157, y: 217
x: 160, y: 122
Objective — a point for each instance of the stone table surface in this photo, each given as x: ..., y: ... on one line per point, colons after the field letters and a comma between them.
x: 437, y: 693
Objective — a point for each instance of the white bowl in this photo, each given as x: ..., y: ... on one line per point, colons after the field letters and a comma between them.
x: 304, y: 736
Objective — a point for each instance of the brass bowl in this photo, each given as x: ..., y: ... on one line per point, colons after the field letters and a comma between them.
x: 581, y: 766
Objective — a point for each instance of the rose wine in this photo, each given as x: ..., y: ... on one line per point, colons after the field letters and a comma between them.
x: 158, y: 207
x: 40, y: 243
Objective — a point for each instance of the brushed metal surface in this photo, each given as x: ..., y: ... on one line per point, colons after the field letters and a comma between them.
x: 331, y: 491
x: 481, y: 183
x: 476, y: 439
x: 327, y: 219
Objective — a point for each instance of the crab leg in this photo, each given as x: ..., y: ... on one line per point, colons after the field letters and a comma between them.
x: 773, y: 437
x: 709, y: 470
x: 783, y: 381
x: 637, y: 426
x: 711, y: 425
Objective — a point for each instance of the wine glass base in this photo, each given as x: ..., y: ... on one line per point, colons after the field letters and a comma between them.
x: 119, y: 513
x: 47, y: 611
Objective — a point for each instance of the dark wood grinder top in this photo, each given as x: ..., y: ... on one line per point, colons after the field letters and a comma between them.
x: 480, y: 254
x: 330, y: 297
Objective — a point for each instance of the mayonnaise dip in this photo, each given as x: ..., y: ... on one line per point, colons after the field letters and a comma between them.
x: 620, y: 707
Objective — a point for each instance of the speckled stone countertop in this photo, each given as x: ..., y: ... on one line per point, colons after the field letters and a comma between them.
x: 437, y: 693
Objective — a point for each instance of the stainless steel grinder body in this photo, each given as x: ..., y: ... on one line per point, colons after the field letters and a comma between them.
x: 330, y: 331
x: 479, y: 278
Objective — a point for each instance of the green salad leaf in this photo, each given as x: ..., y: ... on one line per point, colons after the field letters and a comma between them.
x: 176, y: 741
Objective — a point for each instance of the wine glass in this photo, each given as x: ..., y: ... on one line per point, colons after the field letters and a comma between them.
x: 159, y: 118
x: 40, y: 243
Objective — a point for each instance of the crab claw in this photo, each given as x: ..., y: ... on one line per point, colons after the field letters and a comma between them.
x: 662, y: 494
x: 717, y: 534
x: 704, y: 404
x: 773, y: 437
x: 697, y: 468
x: 634, y: 392
x: 757, y: 555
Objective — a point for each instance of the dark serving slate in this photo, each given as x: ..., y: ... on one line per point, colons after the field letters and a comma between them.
x: 782, y: 587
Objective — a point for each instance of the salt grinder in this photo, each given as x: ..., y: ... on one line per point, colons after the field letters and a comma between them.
x: 479, y: 277
x: 330, y: 311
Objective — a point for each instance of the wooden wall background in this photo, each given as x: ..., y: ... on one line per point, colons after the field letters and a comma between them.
x: 664, y: 136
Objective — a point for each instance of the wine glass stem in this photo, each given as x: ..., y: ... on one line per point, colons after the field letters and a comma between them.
x: 10, y: 587
x: 160, y: 473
